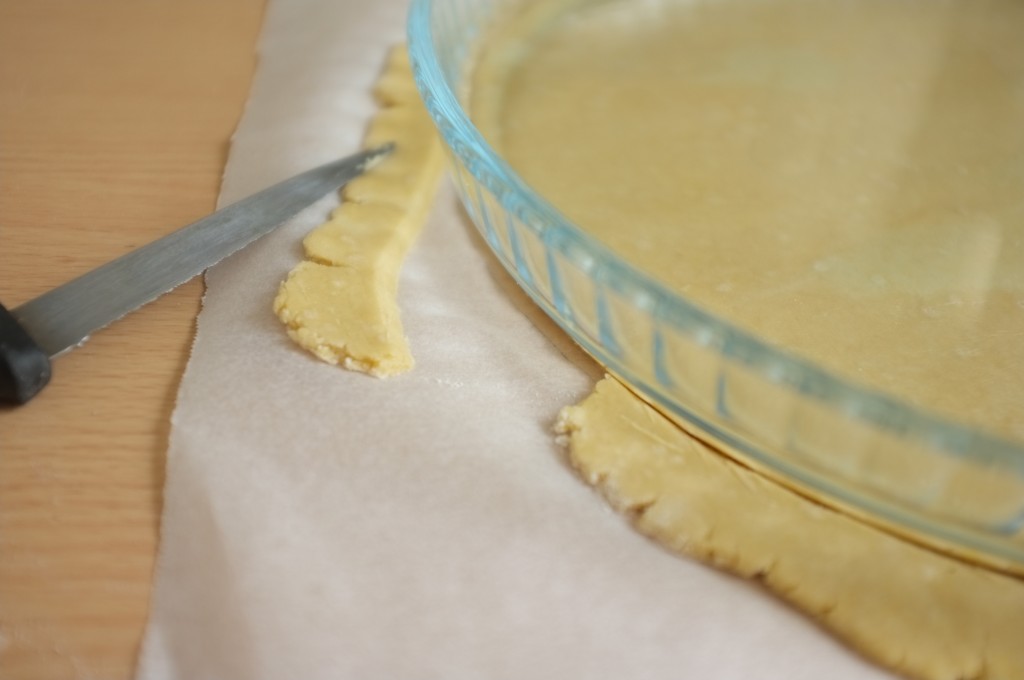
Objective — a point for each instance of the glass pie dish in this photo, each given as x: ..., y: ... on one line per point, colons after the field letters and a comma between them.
x: 941, y: 481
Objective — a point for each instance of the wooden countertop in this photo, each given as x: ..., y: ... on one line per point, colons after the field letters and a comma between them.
x: 115, y: 117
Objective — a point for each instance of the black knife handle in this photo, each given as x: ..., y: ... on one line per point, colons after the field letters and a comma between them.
x: 24, y: 367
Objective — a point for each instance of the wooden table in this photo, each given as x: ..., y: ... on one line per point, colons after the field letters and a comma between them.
x: 115, y: 117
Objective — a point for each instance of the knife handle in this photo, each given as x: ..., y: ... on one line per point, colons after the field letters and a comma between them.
x: 24, y: 367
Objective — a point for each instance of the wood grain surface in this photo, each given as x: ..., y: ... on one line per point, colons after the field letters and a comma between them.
x: 115, y: 117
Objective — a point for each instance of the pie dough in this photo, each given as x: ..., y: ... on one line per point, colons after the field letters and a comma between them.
x: 752, y: 156
x: 918, y: 612
x: 844, y: 178
x: 340, y: 303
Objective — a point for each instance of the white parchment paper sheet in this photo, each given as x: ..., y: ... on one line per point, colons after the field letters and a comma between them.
x: 324, y: 524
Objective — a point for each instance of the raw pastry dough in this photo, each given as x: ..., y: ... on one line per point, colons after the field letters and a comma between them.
x: 340, y: 304
x: 860, y: 205
x: 843, y: 178
x: 918, y: 612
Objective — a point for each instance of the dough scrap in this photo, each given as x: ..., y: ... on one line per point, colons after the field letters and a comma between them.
x: 920, y: 613
x: 341, y: 303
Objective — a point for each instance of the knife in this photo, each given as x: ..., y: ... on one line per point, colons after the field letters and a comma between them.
x: 63, y: 318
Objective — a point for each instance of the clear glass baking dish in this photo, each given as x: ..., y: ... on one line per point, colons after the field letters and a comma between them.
x: 945, y: 484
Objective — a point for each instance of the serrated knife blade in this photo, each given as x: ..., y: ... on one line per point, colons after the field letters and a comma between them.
x: 64, y: 317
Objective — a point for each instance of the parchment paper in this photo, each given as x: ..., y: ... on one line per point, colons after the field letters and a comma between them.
x: 324, y: 524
